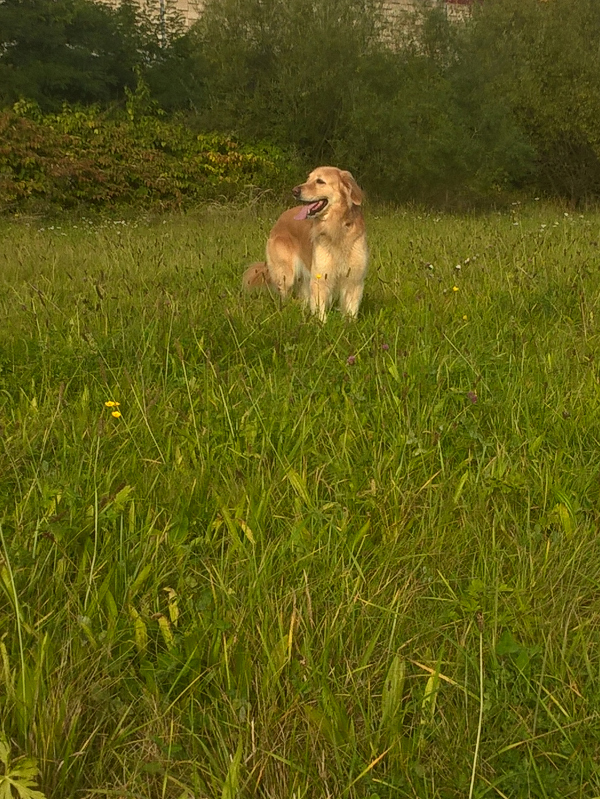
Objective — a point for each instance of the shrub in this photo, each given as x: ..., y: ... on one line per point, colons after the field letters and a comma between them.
x: 85, y: 157
x: 509, y: 99
x: 77, y: 51
x: 284, y: 70
x: 418, y: 109
x: 424, y: 125
x: 333, y: 80
x: 546, y: 69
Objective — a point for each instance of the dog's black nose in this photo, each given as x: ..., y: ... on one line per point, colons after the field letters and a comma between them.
x: 296, y: 191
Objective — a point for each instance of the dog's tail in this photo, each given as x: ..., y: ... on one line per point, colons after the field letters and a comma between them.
x: 256, y: 277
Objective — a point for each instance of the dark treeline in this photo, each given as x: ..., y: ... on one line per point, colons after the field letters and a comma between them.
x: 419, y: 109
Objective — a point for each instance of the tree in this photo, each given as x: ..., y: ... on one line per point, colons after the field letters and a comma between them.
x: 282, y: 70
x: 547, y: 71
x: 77, y: 51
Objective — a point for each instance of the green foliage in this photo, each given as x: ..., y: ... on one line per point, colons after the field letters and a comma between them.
x: 548, y: 72
x: 419, y: 107
x: 77, y: 51
x: 82, y: 52
x: 337, y: 82
x: 86, y: 157
x: 19, y: 778
x: 284, y: 68
x: 420, y: 129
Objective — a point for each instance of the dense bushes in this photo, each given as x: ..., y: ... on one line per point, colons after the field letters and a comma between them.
x: 73, y: 50
x: 427, y: 109
x: 284, y: 68
x: 546, y: 68
x: 421, y: 126
x: 90, y: 158
x: 419, y: 109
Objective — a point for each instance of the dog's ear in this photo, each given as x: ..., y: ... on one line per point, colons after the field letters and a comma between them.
x: 354, y: 191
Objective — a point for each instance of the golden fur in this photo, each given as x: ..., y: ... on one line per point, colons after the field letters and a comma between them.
x: 318, y: 249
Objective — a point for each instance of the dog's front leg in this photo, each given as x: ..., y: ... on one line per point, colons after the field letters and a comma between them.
x: 350, y: 297
x: 352, y: 280
x: 321, y: 285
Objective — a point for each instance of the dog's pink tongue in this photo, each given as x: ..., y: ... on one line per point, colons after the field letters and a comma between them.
x: 304, y: 210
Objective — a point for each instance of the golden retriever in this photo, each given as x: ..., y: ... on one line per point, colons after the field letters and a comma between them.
x: 318, y: 249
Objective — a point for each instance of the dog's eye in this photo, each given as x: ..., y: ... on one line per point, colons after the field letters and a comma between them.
x: 320, y: 180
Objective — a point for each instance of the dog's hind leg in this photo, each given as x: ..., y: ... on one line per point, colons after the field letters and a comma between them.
x: 281, y: 264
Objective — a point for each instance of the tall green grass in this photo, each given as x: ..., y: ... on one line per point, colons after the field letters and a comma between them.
x: 350, y: 560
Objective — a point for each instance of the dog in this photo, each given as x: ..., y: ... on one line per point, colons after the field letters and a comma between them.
x: 318, y: 249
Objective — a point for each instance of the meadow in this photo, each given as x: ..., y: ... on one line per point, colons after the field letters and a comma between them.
x: 243, y: 554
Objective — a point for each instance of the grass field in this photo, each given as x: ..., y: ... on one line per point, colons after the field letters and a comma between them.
x: 352, y: 560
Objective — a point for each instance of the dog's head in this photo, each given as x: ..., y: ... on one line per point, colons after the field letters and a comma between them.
x: 325, y: 188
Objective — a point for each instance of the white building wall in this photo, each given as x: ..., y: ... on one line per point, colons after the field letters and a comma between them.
x: 190, y: 10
